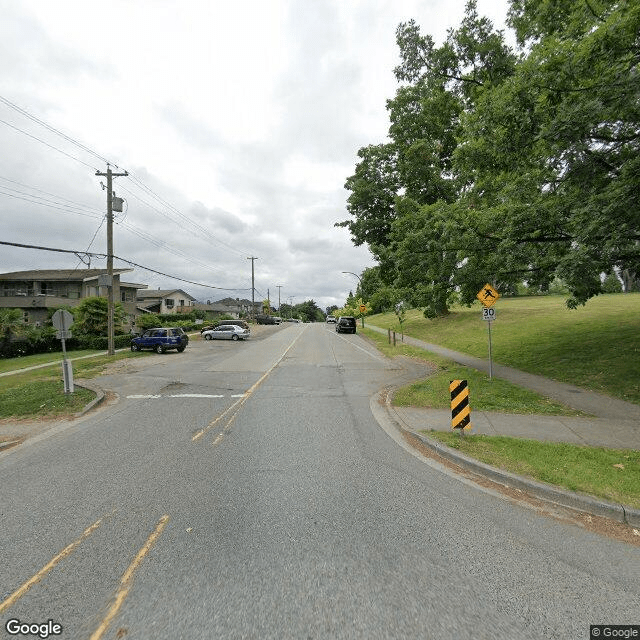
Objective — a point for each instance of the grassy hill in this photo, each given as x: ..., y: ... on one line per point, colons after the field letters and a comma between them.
x: 596, y: 347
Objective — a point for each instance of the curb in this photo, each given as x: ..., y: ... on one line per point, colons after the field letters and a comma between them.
x: 542, y: 491
x: 86, y: 384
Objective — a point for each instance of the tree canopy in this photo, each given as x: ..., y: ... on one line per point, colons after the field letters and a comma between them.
x: 508, y: 165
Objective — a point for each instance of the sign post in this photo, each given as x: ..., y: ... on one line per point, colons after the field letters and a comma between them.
x: 62, y: 320
x: 363, y: 310
x: 488, y: 296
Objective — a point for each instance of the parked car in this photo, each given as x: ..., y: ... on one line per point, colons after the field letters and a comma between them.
x: 161, y: 339
x: 346, y: 324
x: 227, y: 332
x: 331, y: 319
x: 208, y: 327
x: 263, y: 318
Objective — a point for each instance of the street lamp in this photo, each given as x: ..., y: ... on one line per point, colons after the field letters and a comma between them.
x: 361, y: 287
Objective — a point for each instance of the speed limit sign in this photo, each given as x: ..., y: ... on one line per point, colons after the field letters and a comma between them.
x: 488, y: 314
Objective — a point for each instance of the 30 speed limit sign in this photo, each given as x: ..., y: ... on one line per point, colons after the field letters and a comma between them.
x: 488, y: 314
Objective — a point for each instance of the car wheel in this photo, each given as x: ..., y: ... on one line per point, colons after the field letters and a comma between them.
x: 159, y: 348
x: 180, y: 349
x: 234, y: 337
x: 207, y: 337
x: 135, y: 347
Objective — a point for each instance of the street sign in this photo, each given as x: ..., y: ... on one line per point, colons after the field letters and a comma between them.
x: 64, y: 334
x: 363, y: 308
x: 62, y: 320
x: 487, y: 295
x: 488, y: 314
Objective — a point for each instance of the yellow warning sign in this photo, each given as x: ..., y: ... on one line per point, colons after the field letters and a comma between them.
x: 363, y: 308
x: 487, y: 295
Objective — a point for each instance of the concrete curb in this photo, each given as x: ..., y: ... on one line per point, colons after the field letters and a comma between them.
x: 100, y: 395
x: 546, y: 492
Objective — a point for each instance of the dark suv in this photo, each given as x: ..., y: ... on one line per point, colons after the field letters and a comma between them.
x: 346, y: 324
x: 161, y: 339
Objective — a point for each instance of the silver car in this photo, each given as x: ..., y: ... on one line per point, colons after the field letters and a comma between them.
x: 226, y: 332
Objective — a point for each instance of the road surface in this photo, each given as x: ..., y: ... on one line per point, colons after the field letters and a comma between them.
x: 245, y: 490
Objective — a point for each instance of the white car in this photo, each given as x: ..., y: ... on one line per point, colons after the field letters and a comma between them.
x: 227, y: 332
x: 331, y: 318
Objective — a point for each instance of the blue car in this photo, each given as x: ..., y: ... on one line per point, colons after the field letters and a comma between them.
x: 161, y: 340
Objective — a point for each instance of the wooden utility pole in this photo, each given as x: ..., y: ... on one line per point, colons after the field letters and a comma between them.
x: 110, y: 302
x: 253, y: 289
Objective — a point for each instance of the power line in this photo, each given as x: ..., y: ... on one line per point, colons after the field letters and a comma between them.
x: 52, y: 129
x: 136, y: 181
x: 51, y: 205
x: 201, y: 229
x: 129, y: 262
x: 64, y: 153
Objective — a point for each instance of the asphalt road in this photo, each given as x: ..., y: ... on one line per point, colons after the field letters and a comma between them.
x: 244, y: 490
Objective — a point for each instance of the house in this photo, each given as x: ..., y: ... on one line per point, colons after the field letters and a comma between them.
x: 236, y: 307
x: 164, y: 301
x: 39, y: 290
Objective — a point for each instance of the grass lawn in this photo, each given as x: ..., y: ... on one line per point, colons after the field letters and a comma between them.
x: 610, y: 474
x: 40, y: 393
x: 11, y: 364
x: 596, y: 346
x: 486, y: 395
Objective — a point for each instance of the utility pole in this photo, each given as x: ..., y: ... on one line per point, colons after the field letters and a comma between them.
x: 253, y: 289
x: 279, y: 287
x: 109, y: 175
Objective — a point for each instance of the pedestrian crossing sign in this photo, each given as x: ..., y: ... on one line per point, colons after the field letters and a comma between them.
x: 487, y: 295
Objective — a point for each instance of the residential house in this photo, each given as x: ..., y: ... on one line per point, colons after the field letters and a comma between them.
x: 39, y: 290
x: 165, y: 301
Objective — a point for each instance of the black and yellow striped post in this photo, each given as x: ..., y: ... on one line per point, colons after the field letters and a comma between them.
x: 460, y: 409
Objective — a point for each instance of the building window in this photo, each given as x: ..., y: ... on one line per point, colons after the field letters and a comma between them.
x: 25, y: 317
x: 169, y: 302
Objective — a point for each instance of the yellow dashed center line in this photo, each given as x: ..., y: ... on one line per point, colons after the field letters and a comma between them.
x: 238, y: 404
x: 14, y: 597
x: 127, y: 578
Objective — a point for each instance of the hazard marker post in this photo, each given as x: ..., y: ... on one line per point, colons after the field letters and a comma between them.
x: 460, y: 409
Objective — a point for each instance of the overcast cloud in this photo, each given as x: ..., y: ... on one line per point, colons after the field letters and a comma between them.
x: 238, y: 123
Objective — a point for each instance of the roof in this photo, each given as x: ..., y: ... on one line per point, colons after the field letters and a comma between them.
x: 59, y: 274
x: 162, y: 293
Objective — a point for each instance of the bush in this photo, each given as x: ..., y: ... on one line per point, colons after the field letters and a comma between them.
x: 101, y: 343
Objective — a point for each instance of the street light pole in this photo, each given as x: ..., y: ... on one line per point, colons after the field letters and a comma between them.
x: 361, y: 288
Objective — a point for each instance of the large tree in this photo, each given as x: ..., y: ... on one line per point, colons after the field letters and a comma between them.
x: 506, y: 167
x: 553, y: 153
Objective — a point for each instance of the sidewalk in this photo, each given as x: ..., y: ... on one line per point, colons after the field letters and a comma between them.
x: 616, y: 423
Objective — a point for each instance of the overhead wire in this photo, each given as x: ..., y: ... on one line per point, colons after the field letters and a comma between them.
x: 125, y: 260
x: 133, y: 179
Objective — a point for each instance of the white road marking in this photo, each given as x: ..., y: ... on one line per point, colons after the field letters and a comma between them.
x: 195, y: 395
x: 178, y: 395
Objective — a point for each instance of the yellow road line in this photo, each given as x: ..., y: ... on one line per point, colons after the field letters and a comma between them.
x: 220, y: 436
x: 127, y: 578
x: 246, y: 396
x: 14, y: 597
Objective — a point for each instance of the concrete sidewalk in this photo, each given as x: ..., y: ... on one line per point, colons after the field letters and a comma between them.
x: 616, y: 423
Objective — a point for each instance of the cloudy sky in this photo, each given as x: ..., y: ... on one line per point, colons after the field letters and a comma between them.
x: 238, y: 123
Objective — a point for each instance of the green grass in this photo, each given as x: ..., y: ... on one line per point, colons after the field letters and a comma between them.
x: 40, y: 393
x: 12, y: 364
x: 589, y: 470
x: 43, y: 398
x: 485, y: 394
x: 596, y: 346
